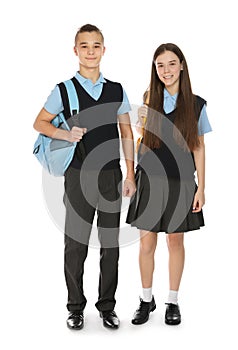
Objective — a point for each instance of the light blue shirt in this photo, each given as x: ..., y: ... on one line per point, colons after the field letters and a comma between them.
x: 54, y: 103
x: 203, y: 122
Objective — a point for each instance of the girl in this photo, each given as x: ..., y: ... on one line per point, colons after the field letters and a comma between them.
x: 173, y: 122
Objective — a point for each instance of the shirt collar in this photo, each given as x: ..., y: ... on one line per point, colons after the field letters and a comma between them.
x: 82, y: 80
x: 167, y: 95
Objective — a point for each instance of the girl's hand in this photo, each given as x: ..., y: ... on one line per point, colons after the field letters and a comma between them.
x: 142, y: 114
x: 199, y: 201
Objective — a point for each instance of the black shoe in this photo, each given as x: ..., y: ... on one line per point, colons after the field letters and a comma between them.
x: 110, y: 319
x: 142, y: 313
x: 172, y: 315
x: 75, y: 320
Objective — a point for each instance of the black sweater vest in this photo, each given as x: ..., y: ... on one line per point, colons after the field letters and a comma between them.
x: 170, y: 159
x: 101, y: 142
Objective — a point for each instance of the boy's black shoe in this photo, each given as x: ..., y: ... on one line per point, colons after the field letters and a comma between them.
x: 75, y: 320
x: 110, y: 319
x: 172, y: 315
x: 142, y: 313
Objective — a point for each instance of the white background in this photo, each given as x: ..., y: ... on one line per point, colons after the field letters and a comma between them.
x: 36, y: 53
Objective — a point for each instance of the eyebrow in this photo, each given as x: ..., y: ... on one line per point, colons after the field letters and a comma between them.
x: 86, y: 42
x: 169, y: 62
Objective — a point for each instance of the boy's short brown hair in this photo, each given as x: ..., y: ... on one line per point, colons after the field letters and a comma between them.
x: 88, y: 28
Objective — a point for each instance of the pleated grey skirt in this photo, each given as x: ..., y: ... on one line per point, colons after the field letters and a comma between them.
x: 163, y: 205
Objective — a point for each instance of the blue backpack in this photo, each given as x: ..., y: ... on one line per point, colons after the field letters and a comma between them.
x: 56, y: 155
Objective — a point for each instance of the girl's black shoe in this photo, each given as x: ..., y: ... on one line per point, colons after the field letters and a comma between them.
x: 142, y: 313
x: 172, y: 314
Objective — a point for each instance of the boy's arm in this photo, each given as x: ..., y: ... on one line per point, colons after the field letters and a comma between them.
x: 128, y: 149
x: 43, y: 125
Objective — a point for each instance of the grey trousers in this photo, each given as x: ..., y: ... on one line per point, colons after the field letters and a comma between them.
x: 87, y: 193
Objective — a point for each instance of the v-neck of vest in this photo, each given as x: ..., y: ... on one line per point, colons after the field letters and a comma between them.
x: 77, y: 84
x: 168, y: 114
x: 91, y: 96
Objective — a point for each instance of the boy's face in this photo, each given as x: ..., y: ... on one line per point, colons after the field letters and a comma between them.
x: 89, y: 48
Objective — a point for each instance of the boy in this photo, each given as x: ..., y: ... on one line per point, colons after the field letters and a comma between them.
x: 93, y: 182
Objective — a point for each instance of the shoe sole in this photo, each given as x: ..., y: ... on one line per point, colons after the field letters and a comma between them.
x: 112, y: 328
x: 75, y: 328
x: 139, y: 323
x: 173, y: 323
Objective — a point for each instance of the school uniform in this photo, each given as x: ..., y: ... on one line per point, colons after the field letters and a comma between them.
x: 93, y: 184
x: 165, y: 178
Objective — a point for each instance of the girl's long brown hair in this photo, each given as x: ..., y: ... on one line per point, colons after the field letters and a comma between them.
x: 185, y: 130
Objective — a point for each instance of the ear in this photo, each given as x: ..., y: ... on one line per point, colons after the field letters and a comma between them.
x: 104, y: 49
x: 181, y: 66
x: 76, y: 51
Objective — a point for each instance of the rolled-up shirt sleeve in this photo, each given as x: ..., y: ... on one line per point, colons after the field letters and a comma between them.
x: 54, y: 103
x: 204, y: 125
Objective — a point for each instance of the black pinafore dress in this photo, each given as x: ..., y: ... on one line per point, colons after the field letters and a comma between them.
x: 166, y: 185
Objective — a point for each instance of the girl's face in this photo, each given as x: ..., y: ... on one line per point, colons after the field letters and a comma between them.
x: 168, y: 68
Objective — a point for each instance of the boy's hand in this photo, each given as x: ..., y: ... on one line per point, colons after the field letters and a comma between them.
x: 129, y: 188
x: 76, y: 134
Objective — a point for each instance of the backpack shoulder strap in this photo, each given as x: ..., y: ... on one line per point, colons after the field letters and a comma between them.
x: 73, y: 97
x: 70, y: 101
x: 69, y: 98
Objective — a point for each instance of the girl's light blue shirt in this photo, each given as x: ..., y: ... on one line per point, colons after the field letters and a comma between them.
x: 203, y: 122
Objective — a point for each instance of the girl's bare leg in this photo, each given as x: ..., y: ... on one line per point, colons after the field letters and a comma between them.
x: 148, y: 242
x: 175, y: 242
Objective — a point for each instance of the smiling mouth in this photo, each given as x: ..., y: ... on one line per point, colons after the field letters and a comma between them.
x: 168, y: 76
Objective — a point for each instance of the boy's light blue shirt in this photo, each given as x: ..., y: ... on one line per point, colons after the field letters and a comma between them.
x: 203, y: 122
x: 54, y: 103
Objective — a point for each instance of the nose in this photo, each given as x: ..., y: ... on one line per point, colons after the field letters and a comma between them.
x: 91, y: 50
x: 166, y: 68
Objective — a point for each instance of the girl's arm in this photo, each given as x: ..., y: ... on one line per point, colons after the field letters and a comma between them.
x: 199, y: 158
